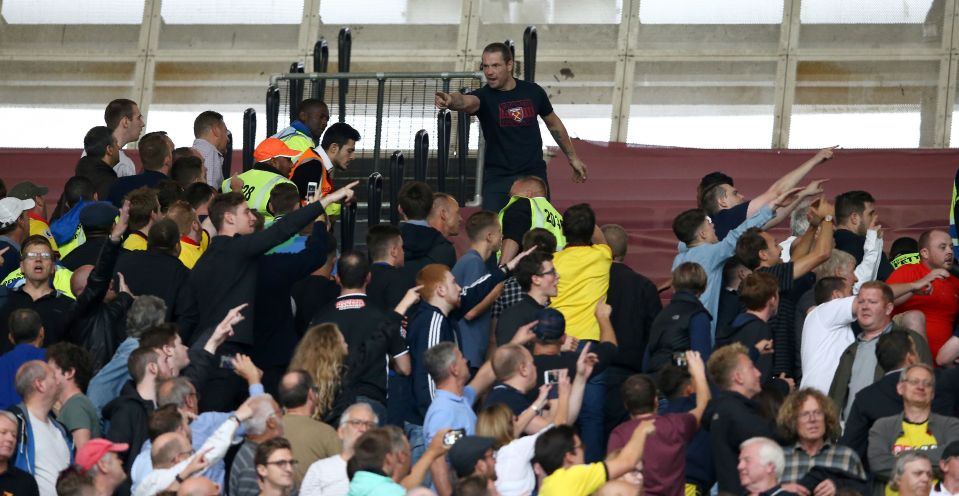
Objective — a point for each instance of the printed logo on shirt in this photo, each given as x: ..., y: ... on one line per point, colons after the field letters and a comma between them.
x: 516, y: 113
x: 350, y: 304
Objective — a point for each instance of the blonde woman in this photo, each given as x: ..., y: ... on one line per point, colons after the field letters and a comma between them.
x: 322, y: 352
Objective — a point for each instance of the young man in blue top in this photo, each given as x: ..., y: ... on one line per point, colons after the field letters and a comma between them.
x: 486, y: 238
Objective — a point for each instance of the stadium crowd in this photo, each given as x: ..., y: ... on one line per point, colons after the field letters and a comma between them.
x: 175, y: 331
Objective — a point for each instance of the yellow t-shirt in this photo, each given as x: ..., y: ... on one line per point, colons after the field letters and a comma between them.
x: 190, y: 251
x: 914, y: 437
x: 578, y: 480
x: 135, y: 241
x: 583, y: 281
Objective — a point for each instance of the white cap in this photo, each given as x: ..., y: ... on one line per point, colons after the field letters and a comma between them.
x: 11, y: 208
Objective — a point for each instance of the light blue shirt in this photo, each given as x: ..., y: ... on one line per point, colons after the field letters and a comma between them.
x: 450, y: 411
x: 712, y: 257
x: 106, y: 385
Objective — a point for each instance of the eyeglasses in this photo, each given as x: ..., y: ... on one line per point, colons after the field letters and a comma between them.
x: 369, y: 424
x: 284, y: 463
x: 813, y: 415
x: 917, y: 382
x: 32, y: 255
x: 550, y: 272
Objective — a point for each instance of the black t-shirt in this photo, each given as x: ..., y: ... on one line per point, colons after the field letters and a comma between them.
x: 567, y: 360
x: 514, y: 145
x: 16, y: 482
x: 359, y: 321
x: 516, y: 316
x: 387, y: 285
x: 516, y: 220
x: 309, y: 294
x: 729, y: 219
x: 853, y: 244
x: 509, y: 396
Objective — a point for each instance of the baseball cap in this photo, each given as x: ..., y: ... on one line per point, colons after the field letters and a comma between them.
x: 11, y: 208
x: 27, y: 191
x: 951, y: 450
x: 273, y: 147
x: 467, y: 451
x: 551, y: 325
x: 98, y: 214
x: 94, y: 449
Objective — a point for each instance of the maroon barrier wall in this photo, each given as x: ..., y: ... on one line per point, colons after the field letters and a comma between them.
x: 643, y: 188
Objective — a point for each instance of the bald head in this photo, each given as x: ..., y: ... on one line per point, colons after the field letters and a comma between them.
x: 617, y: 239
x: 78, y: 281
x: 528, y: 187
x: 198, y: 486
x: 168, y: 448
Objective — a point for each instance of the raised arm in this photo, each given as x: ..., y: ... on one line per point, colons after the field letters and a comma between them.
x: 697, y: 371
x: 871, y: 253
x: 457, y: 102
x: 627, y: 458
x: 790, y: 180
x: 822, y: 247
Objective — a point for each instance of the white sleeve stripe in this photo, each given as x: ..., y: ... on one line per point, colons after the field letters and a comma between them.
x: 475, y: 283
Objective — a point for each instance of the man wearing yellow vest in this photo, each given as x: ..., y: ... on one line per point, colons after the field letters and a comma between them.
x: 274, y: 161
x: 336, y: 151
x: 528, y: 208
x: 305, y: 132
x: 38, y: 214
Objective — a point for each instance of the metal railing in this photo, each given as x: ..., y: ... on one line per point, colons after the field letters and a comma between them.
x: 321, y: 60
x: 296, y: 90
x: 444, y: 129
x: 530, y: 41
x: 249, y: 138
x: 347, y: 226
x: 396, y: 179
x: 344, y: 51
x: 421, y: 154
x: 374, y: 202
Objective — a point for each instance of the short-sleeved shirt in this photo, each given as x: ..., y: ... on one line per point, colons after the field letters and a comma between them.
x: 727, y: 219
x: 509, y: 396
x: 578, y: 480
x: 940, y: 307
x: 311, y: 440
x: 664, y: 455
x: 514, y: 145
x: 79, y: 413
x: 583, y: 281
x: 452, y: 411
x: 16, y: 482
x: 474, y: 333
x: 517, y: 219
x: 516, y: 316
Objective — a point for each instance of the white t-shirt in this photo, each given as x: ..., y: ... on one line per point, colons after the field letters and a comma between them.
x: 125, y: 167
x: 52, y: 454
x: 514, y: 468
x: 326, y: 477
x: 826, y: 334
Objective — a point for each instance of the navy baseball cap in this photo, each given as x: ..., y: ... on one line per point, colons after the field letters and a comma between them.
x: 467, y: 451
x: 98, y: 214
x: 551, y: 325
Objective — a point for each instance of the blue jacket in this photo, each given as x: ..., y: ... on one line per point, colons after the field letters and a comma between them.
x: 109, y: 381
x: 9, y: 363
x: 25, y: 454
x: 429, y: 327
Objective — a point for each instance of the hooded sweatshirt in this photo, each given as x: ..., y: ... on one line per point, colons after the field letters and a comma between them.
x: 423, y: 245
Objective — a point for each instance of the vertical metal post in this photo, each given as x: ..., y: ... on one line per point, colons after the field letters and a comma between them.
x: 443, y: 125
x: 344, y: 48
x: 347, y: 226
x: 462, y: 149
x: 272, y: 109
x: 380, y: 93
x: 396, y: 180
x: 227, y: 156
x: 529, y: 53
x: 296, y: 90
x: 421, y: 154
x: 374, y: 202
x: 512, y: 50
x: 321, y: 60
x: 249, y: 137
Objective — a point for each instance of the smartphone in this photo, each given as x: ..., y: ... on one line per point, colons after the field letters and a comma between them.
x: 450, y: 438
x: 311, y: 190
x: 679, y: 359
x: 551, y: 376
x: 226, y: 362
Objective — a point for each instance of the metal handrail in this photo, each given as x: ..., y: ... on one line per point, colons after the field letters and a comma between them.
x: 421, y: 154
x: 347, y: 226
x: 377, y: 75
x: 344, y: 49
x: 444, y: 120
x: 272, y: 109
x: 374, y: 204
x: 530, y: 42
x: 396, y: 180
x: 296, y: 91
x: 249, y: 135
x: 321, y: 60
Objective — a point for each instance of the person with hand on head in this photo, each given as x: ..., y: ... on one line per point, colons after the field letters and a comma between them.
x: 559, y: 455
x: 13, y: 480
x: 664, y: 467
x: 232, y: 257
x: 327, y: 477
x: 815, y: 464
x: 760, y: 466
x: 507, y: 109
x: 275, y: 465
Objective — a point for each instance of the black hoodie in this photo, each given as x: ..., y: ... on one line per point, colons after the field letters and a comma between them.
x: 731, y: 418
x: 128, y: 414
x: 423, y: 245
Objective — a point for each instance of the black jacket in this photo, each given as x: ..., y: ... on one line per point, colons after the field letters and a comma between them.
x: 852, y: 244
x: 149, y: 272
x: 387, y: 285
x: 748, y: 329
x: 731, y: 418
x: 225, y: 275
x: 636, y: 304
x: 128, y: 414
x: 55, y: 309
x: 99, y: 326
x: 96, y: 170
x: 85, y: 254
x: 423, y: 245
x: 669, y: 332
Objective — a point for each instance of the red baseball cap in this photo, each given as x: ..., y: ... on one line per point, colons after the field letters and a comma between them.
x: 93, y: 451
x: 273, y: 147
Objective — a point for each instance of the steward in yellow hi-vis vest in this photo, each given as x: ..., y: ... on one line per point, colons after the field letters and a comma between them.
x: 540, y: 213
x: 274, y: 161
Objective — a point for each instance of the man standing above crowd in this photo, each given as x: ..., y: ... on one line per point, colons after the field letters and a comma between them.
x: 212, y: 136
x: 124, y: 118
x: 940, y: 305
x: 507, y: 109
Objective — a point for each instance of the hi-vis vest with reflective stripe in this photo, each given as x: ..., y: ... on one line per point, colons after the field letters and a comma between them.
x: 543, y: 215
x: 310, y: 155
x: 61, y: 280
x: 257, y: 185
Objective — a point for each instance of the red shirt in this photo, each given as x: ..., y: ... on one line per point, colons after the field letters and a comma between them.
x: 664, y: 456
x: 940, y: 307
